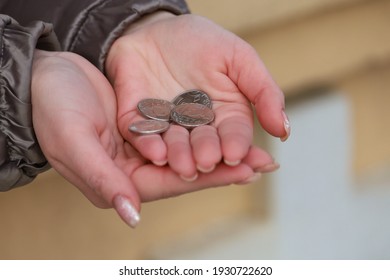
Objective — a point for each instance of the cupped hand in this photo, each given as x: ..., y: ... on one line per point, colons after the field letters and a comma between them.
x: 74, y: 117
x: 166, y: 55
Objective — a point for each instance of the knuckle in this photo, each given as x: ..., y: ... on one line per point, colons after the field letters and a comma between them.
x: 97, y: 181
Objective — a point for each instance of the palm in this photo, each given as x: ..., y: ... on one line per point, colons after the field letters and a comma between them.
x: 164, y: 59
x: 75, y: 122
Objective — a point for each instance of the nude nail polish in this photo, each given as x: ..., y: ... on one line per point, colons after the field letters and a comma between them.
x: 269, y: 167
x: 189, y: 179
x: 255, y: 177
x: 160, y: 163
x: 287, y: 127
x: 126, y: 211
x: 206, y: 170
x: 232, y: 163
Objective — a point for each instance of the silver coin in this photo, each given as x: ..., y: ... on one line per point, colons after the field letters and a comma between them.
x: 149, y: 126
x: 191, y: 115
x: 193, y: 96
x: 156, y: 109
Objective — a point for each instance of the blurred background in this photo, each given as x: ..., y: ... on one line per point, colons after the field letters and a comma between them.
x: 329, y: 200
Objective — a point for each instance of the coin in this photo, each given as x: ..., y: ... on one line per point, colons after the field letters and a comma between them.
x: 191, y: 115
x: 149, y: 126
x: 193, y: 96
x: 156, y: 109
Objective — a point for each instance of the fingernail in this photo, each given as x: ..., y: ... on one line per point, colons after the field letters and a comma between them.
x: 206, y: 170
x: 232, y: 163
x: 189, y: 179
x: 270, y: 167
x: 126, y: 211
x: 255, y: 177
x: 160, y: 163
x: 287, y: 127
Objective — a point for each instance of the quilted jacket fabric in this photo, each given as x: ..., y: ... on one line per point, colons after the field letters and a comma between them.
x: 87, y: 27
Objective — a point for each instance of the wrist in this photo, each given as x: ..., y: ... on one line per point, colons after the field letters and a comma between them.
x: 146, y: 20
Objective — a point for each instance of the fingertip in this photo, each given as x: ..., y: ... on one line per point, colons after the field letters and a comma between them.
x: 152, y: 147
x: 179, y: 152
x: 160, y: 162
x: 273, y: 120
x: 287, y: 127
x: 206, y: 148
x: 126, y: 210
x: 236, y: 137
x: 231, y: 163
x: 204, y: 169
x: 251, y: 179
x: 260, y: 160
x: 270, y: 167
x: 189, y: 179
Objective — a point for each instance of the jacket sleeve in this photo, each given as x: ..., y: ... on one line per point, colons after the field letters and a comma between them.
x: 88, y: 27
x: 21, y: 158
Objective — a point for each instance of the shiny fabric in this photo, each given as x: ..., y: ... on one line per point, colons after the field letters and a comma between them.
x: 21, y: 158
x: 87, y: 27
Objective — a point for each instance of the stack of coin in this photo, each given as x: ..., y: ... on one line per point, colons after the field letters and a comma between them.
x: 190, y: 109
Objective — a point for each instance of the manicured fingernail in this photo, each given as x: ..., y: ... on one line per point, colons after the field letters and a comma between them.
x: 287, y: 127
x: 189, y: 179
x: 270, y: 167
x: 160, y: 163
x: 255, y: 177
x: 126, y: 211
x: 206, y: 170
x: 232, y: 163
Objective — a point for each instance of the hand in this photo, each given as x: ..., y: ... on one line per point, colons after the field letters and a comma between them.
x: 74, y: 117
x: 165, y: 55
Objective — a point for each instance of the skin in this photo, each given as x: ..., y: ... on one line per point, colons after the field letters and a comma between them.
x: 81, y: 118
x: 152, y: 61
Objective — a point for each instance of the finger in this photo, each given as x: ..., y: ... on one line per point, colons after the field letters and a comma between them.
x: 260, y: 161
x: 166, y: 183
x: 151, y: 147
x: 236, y: 135
x: 180, y: 157
x: 256, y: 83
x: 206, y: 147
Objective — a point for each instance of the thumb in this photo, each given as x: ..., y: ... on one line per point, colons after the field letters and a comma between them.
x: 255, y: 82
x: 100, y: 176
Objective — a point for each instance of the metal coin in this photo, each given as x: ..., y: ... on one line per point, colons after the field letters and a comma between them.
x: 155, y: 109
x: 191, y: 115
x: 149, y: 126
x: 193, y: 96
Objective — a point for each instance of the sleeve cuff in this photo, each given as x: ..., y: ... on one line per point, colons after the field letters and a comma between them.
x: 100, y: 25
x: 21, y: 158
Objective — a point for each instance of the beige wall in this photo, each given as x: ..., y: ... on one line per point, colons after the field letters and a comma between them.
x: 345, y: 47
x: 51, y: 219
x: 369, y: 92
x: 339, y: 43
